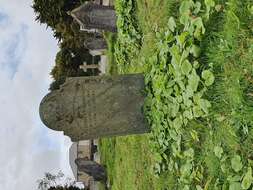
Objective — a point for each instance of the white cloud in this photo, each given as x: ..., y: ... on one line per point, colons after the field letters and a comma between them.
x: 28, y: 149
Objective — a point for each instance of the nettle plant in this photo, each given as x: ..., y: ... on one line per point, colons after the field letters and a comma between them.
x: 176, y: 84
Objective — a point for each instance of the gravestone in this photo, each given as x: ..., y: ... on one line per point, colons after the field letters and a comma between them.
x: 99, y: 2
x: 93, y: 16
x: 91, y: 168
x: 85, y: 66
x: 95, y: 43
x: 99, y: 106
x: 95, y: 53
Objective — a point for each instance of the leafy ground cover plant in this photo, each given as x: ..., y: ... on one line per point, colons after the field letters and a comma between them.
x: 176, y: 83
x: 129, y: 35
x: 198, y: 73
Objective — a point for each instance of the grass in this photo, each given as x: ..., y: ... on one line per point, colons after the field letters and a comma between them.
x: 128, y: 161
x: 111, y: 39
x: 215, y: 149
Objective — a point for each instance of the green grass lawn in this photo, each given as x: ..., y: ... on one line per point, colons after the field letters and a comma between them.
x: 197, y: 60
x: 128, y: 162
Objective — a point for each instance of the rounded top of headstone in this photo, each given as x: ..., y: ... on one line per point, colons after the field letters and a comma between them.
x: 49, y: 111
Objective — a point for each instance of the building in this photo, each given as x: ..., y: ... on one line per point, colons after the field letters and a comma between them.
x: 81, y: 149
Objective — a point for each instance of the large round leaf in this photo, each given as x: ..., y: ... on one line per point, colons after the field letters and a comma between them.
x: 247, y: 179
x: 186, y: 67
x: 236, y: 163
x: 208, y: 76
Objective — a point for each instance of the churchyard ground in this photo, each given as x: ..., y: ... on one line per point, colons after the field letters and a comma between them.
x: 197, y: 60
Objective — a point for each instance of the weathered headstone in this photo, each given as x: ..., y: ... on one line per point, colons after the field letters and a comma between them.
x: 93, y: 16
x: 96, y: 43
x: 91, y: 168
x: 93, y: 107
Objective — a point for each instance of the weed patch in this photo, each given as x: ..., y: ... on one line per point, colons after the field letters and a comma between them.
x: 197, y: 61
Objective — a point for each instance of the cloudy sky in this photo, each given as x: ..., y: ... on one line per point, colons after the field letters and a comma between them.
x: 27, y: 51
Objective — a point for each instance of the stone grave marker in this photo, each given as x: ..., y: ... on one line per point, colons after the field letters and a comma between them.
x: 94, y: 107
x: 93, y: 16
x: 91, y: 168
x: 95, y: 43
x: 85, y: 66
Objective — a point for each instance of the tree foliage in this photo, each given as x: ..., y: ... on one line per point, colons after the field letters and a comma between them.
x: 57, y: 181
x: 65, y: 188
x: 72, y: 53
x: 55, y: 15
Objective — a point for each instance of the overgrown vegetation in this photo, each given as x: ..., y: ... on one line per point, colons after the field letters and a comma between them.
x: 197, y: 60
x: 129, y: 34
x: 128, y: 161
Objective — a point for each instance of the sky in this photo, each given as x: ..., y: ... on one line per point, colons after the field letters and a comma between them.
x: 27, y: 52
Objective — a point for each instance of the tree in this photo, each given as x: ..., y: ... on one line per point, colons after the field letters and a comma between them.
x: 57, y: 182
x: 72, y: 52
x: 55, y: 15
x: 65, y: 188
x: 67, y: 64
